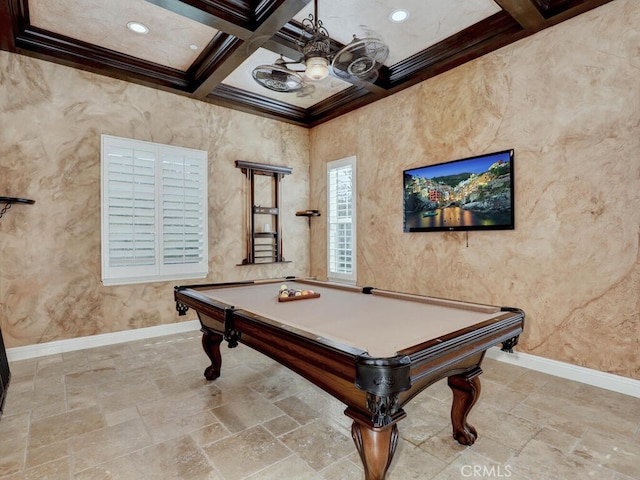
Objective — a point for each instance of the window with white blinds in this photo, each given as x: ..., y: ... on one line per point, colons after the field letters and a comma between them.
x: 341, y: 208
x: 154, y: 212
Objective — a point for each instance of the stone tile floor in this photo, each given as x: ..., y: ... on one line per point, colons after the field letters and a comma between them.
x: 143, y: 410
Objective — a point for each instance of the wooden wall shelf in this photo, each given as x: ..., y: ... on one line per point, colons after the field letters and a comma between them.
x: 308, y: 214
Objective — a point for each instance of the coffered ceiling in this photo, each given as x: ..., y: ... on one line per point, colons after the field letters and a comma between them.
x: 206, y: 49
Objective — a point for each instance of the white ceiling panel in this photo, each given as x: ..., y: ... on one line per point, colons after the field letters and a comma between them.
x: 429, y: 21
x: 104, y: 23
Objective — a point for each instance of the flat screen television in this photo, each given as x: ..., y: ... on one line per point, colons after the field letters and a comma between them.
x: 474, y: 193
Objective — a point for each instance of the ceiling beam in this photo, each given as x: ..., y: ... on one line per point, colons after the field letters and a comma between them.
x: 525, y: 13
x: 286, y: 41
x: 492, y: 30
x: 10, y: 17
x: 249, y: 102
x: 282, y: 47
x: 49, y: 46
x: 564, y: 11
x: 203, y: 17
x: 282, y: 12
x: 340, y: 103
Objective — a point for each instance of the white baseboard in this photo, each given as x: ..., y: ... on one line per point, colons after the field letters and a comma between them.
x: 92, y: 341
x: 596, y: 378
x: 608, y: 381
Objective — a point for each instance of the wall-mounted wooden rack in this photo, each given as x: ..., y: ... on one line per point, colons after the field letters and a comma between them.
x: 263, y: 228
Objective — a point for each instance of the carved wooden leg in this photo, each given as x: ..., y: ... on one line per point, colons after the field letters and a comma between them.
x: 211, y: 345
x: 376, y: 447
x: 466, y: 390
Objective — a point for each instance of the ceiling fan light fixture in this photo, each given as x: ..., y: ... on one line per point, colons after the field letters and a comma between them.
x: 317, y: 68
x: 316, y: 47
x: 358, y: 61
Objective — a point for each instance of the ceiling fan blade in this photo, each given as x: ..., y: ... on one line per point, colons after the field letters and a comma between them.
x: 360, y: 58
x: 277, y: 78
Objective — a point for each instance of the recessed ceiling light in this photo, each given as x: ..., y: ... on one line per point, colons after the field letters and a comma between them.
x: 399, y: 16
x: 193, y: 46
x: 137, y: 27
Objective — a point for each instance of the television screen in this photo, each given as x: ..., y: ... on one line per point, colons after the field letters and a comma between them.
x: 473, y: 193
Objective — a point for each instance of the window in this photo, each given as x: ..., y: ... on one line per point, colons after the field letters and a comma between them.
x: 341, y: 188
x: 154, y: 212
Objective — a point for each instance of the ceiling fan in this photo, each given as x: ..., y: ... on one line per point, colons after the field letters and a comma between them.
x: 359, y: 60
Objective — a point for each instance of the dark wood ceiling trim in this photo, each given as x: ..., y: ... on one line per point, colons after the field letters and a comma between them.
x: 496, y: 30
x: 339, y: 104
x: 286, y: 41
x: 218, y: 71
x: 236, y: 8
x: 216, y: 53
x: 525, y: 13
x: 557, y: 13
x: 265, y: 8
x: 549, y: 8
x: 12, y: 21
x: 536, y: 15
x: 238, y: 26
x: 378, y: 87
x: 267, y: 29
x: 227, y: 96
x: 67, y: 51
x: 281, y: 47
x: 227, y: 12
x: 345, y: 96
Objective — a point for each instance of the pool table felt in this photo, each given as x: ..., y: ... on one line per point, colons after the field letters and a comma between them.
x: 377, y: 324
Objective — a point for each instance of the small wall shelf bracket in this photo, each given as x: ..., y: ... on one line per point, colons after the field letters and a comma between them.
x: 8, y: 201
x: 308, y: 214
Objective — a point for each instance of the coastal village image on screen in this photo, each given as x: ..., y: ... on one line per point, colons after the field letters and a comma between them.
x: 474, y: 193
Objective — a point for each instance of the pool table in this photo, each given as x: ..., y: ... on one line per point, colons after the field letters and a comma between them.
x: 374, y: 350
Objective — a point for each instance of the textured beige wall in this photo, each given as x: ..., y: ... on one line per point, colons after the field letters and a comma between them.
x: 51, y: 118
x: 568, y: 101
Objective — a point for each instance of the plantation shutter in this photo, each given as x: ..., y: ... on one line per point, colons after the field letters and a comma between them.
x: 130, y: 203
x: 341, y: 208
x: 154, y: 212
x: 184, y: 192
